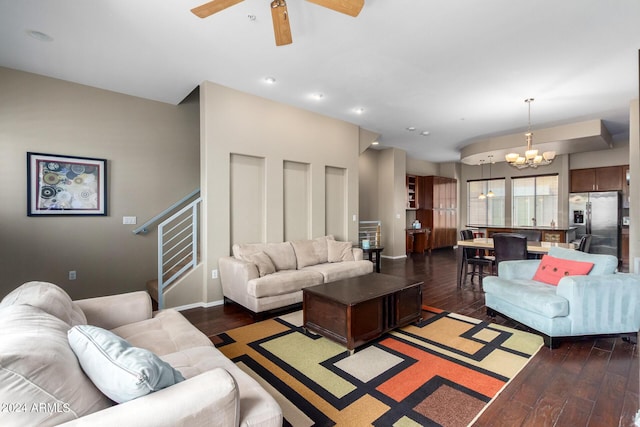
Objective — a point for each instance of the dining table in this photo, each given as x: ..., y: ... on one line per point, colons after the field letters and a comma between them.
x: 486, y: 243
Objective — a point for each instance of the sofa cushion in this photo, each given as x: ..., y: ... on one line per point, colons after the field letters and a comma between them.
x: 342, y: 270
x: 283, y: 282
x: 528, y: 294
x: 257, y: 406
x: 602, y: 264
x: 166, y: 333
x: 281, y: 254
x: 121, y: 371
x: 339, y: 251
x: 263, y: 263
x: 48, y: 297
x: 311, y: 252
x: 552, y: 269
x: 37, y: 367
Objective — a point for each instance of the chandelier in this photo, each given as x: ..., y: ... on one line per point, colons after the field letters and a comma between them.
x: 531, y: 158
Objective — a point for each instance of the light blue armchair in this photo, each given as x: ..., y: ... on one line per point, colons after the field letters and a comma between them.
x: 602, y: 302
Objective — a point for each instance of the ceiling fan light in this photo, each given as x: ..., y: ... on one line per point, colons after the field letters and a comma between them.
x: 549, y: 155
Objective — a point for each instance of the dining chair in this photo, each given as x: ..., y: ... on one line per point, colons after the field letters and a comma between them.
x: 477, y: 260
x: 509, y: 246
x: 585, y: 243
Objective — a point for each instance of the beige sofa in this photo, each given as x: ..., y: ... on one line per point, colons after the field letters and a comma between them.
x: 267, y: 276
x: 42, y: 381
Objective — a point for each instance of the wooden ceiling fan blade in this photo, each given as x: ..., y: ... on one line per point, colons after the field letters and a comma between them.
x: 348, y: 7
x: 212, y: 7
x: 281, y: 27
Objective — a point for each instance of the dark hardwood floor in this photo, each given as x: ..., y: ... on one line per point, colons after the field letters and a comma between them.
x: 584, y: 382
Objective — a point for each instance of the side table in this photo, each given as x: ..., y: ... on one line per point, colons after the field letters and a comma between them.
x: 371, y: 250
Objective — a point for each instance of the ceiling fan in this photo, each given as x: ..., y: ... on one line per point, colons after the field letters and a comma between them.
x: 279, y: 13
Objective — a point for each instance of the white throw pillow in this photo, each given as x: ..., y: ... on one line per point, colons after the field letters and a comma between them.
x: 340, y: 251
x: 122, y: 372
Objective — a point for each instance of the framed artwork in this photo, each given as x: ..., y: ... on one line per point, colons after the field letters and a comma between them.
x: 66, y: 185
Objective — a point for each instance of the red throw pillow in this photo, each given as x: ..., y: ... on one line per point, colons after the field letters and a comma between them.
x: 552, y: 269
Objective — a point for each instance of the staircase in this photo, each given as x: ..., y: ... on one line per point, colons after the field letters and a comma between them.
x: 178, y: 244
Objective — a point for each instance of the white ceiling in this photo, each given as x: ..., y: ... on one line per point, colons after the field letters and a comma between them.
x: 459, y: 69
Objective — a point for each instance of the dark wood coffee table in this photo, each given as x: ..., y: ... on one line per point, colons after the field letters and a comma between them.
x: 355, y: 311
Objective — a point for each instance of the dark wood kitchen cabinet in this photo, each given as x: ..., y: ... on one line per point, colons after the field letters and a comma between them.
x: 439, y: 210
x: 608, y: 178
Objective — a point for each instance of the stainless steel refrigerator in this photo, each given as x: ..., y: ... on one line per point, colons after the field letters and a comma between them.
x: 598, y: 214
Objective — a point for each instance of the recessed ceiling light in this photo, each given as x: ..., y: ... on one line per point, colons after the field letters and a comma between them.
x: 425, y: 133
x: 39, y: 35
x: 375, y: 143
x: 411, y: 128
x: 317, y: 96
x: 270, y: 80
x: 358, y: 110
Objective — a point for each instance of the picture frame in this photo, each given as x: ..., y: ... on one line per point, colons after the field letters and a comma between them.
x: 60, y: 185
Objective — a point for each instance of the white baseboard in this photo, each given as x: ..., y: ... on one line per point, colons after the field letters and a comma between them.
x: 199, y: 305
x: 393, y: 257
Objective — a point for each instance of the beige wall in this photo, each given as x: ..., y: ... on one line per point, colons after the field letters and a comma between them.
x: 392, y: 201
x: 618, y: 155
x: 368, y: 185
x: 422, y: 167
x: 152, y: 152
x: 233, y: 122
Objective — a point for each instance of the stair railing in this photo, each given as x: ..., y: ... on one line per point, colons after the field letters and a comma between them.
x: 144, y: 228
x: 178, y: 243
x: 177, y: 246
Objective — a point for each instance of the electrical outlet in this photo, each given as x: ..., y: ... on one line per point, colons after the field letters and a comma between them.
x: 214, y: 274
x: 72, y: 275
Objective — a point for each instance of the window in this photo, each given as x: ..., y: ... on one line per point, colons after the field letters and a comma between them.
x: 534, y: 201
x: 488, y: 211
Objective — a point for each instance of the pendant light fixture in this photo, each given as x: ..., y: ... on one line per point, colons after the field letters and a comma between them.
x: 482, y: 196
x: 490, y: 193
x: 531, y: 158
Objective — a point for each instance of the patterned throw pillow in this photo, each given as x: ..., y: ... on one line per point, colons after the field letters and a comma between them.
x: 552, y: 269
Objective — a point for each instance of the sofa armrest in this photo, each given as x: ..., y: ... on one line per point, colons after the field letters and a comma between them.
x: 520, y: 269
x: 358, y: 254
x: 234, y: 276
x: 210, y: 399
x: 604, y: 303
x: 112, y: 311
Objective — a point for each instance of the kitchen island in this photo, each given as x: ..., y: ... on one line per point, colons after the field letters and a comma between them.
x: 549, y: 234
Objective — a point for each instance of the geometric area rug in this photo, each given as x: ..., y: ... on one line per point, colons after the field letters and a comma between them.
x: 443, y: 371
